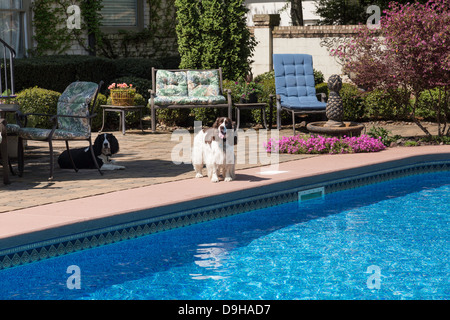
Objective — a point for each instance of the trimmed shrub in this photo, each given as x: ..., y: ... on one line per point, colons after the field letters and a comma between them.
x: 318, y: 76
x: 207, y: 115
x: 173, y: 117
x: 380, y: 104
x: 38, y: 100
x: 426, y: 104
x: 322, y: 88
x: 135, y: 67
x: 57, y: 72
x: 353, y: 102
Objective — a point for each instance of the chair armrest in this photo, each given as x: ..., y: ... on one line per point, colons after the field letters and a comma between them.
x: 55, y: 117
x: 228, y: 92
x: 37, y: 114
x: 322, y: 96
x: 22, y: 118
x: 73, y: 116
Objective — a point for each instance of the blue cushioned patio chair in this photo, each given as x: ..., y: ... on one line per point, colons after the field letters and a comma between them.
x: 72, y: 121
x: 295, y: 87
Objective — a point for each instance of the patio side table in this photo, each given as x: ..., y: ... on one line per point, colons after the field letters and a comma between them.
x: 122, y: 111
x: 243, y: 106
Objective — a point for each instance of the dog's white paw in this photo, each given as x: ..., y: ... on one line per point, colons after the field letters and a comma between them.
x: 110, y: 167
x: 214, y: 178
x: 199, y: 175
x: 228, y: 179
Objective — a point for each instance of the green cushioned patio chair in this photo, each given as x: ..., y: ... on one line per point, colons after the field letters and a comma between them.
x: 72, y: 121
x: 7, y: 93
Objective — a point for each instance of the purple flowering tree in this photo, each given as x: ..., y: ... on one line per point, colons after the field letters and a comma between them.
x: 408, y: 55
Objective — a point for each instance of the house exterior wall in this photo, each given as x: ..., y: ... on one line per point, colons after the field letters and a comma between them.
x: 281, y: 7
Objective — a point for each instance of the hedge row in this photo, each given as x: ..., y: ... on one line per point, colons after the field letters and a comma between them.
x: 57, y: 72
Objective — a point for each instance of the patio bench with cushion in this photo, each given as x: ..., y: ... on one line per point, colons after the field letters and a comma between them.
x: 185, y: 88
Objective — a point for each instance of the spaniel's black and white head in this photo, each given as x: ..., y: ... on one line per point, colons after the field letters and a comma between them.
x: 220, y: 131
x: 224, y: 127
x: 106, y: 144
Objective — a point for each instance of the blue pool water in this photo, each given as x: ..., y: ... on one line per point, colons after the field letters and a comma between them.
x: 384, y: 241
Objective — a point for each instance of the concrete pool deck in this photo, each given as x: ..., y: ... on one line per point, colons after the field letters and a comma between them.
x: 35, y: 210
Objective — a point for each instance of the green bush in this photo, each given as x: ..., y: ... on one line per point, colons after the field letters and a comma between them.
x: 135, y: 67
x: 57, y: 72
x: 270, y: 75
x: 268, y: 85
x: 322, y: 88
x: 318, y: 76
x: 425, y: 107
x: 353, y: 102
x: 207, y: 115
x: 173, y: 117
x: 38, y: 100
x: 381, y: 105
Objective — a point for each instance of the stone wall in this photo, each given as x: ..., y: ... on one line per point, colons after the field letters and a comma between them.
x: 313, y: 40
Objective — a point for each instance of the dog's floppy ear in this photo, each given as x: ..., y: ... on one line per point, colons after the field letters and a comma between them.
x: 216, y: 123
x: 210, y: 135
x: 229, y: 123
x: 114, y: 143
x: 98, y: 144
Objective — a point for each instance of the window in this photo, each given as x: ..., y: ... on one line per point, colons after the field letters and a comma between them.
x: 122, y: 14
x: 13, y: 24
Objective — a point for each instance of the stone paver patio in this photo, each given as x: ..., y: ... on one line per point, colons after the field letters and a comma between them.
x: 147, y: 158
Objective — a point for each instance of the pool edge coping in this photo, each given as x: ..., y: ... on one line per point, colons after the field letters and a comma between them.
x: 268, y: 195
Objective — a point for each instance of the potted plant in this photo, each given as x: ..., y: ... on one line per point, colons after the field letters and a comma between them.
x: 247, y: 91
x: 122, y: 94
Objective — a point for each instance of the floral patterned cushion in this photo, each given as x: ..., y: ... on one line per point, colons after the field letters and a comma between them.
x: 174, y: 100
x: 75, y: 101
x: 203, y: 83
x: 42, y: 134
x: 171, y: 83
x: 12, y: 128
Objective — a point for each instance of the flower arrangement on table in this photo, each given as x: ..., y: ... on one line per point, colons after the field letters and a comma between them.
x: 122, y: 94
x: 247, y: 91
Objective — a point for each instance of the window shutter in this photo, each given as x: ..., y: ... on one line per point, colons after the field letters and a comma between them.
x: 119, y: 13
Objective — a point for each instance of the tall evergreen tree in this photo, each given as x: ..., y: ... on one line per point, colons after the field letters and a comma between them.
x: 188, y: 33
x: 214, y: 33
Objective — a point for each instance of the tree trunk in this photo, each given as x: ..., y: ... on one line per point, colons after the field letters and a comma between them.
x: 296, y: 12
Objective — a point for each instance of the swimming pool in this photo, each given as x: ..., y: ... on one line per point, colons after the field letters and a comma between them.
x: 383, y: 241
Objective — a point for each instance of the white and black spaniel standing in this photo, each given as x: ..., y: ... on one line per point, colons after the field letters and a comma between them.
x: 105, y: 145
x: 214, y: 147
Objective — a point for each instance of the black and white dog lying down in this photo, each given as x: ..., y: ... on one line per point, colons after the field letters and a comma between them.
x: 105, y: 145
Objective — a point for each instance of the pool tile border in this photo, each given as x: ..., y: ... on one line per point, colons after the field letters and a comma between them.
x: 96, y: 238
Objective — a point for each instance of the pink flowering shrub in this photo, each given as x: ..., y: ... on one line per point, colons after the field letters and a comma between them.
x: 408, y: 55
x: 319, y: 144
